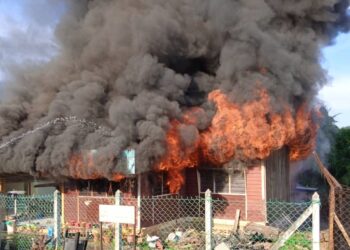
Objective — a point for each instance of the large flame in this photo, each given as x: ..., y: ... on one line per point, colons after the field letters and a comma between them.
x: 178, y: 157
x: 249, y: 131
x: 246, y: 132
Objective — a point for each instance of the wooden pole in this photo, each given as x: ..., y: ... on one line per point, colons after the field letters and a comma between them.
x: 331, y: 218
x: 330, y: 179
x: 235, y: 225
x: 333, y: 184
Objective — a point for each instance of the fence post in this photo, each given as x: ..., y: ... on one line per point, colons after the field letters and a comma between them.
x: 208, y: 220
x: 56, y: 216
x: 316, y: 222
x: 138, y: 225
x: 15, y: 206
x: 118, y: 228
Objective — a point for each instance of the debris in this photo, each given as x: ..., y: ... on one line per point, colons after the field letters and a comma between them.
x: 270, y: 233
x: 173, y: 237
x: 152, y: 241
x: 159, y: 245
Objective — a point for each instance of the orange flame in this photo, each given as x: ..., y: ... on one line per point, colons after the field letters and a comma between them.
x: 178, y: 157
x: 247, y: 132
x: 82, y: 166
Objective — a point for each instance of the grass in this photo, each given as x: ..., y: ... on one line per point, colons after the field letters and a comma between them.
x: 296, y: 241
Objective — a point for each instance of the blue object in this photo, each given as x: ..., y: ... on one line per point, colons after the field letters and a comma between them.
x: 130, y: 157
x: 50, y: 231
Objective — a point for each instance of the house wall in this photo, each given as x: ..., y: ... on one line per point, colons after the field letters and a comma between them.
x: 277, y: 176
x: 84, y: 207
x: 255, y: 202
x: 227, y: 208
x: 251, y: 204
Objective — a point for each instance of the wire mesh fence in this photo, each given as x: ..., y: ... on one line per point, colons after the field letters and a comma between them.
x: 272, y: 219
x: 177, y: 222
x: 342, y: 213
x: 27, y: 221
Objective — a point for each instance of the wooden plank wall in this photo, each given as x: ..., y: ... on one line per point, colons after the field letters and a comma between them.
x: 255, y: 202
x: 277, y: 176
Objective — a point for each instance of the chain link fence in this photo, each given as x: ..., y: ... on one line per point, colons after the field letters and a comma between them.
x: 279, y: 217
x: 178, y: 222
x: 342, y: 213
x: 27, y: 221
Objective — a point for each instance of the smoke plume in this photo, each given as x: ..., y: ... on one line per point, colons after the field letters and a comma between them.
x: 134, y: 66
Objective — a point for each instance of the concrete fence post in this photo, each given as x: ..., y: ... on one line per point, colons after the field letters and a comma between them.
x: 57, y: 216
x: 208, y: 220
x: 138, y: 224
x: 316, y: 221
x: 118, y: 227
x: 15, y: 206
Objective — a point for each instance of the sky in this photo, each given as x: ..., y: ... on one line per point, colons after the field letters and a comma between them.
x: 27, y: 34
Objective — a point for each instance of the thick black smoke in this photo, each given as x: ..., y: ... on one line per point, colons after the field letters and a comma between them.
x: 133, y: 65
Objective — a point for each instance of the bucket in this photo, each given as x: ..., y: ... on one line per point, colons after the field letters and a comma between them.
x: 11, y: 226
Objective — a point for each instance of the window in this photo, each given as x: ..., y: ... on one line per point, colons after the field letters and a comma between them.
x: 98, y: 187
x: 158, y: 183
x: 221, y: 181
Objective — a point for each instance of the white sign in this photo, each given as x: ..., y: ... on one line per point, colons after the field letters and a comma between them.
x: 117, y: 214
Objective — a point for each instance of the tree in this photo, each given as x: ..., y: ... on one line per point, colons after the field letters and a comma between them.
x: 340, y: 156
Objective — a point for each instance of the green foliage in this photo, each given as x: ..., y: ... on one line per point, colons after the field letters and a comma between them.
x: 340, y: 156
x: 297, y: 241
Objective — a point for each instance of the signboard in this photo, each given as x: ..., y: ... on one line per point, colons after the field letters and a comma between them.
x: 130, y: 157
x: 117, y: 214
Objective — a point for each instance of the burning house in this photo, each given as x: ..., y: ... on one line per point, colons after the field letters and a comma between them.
x: 209, y: 94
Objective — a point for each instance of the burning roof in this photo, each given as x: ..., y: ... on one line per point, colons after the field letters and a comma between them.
x: 181, y: 82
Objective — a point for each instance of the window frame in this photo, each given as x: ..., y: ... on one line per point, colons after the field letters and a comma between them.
x: 164, y: 190
x: 230, y: 175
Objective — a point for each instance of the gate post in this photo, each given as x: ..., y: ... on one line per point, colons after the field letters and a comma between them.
x: 118, y: 228
x: 316, y: 222
x: 208, y: 220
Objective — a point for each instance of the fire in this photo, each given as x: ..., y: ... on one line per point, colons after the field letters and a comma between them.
x: 178, y: 157
x: 247, y: 132
x: 83, y: 166
x: 305, y: 133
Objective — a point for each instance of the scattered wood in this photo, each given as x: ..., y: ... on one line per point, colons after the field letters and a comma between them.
x: 285, y: 236
x: 342, y: 229
x: 235, y: 225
